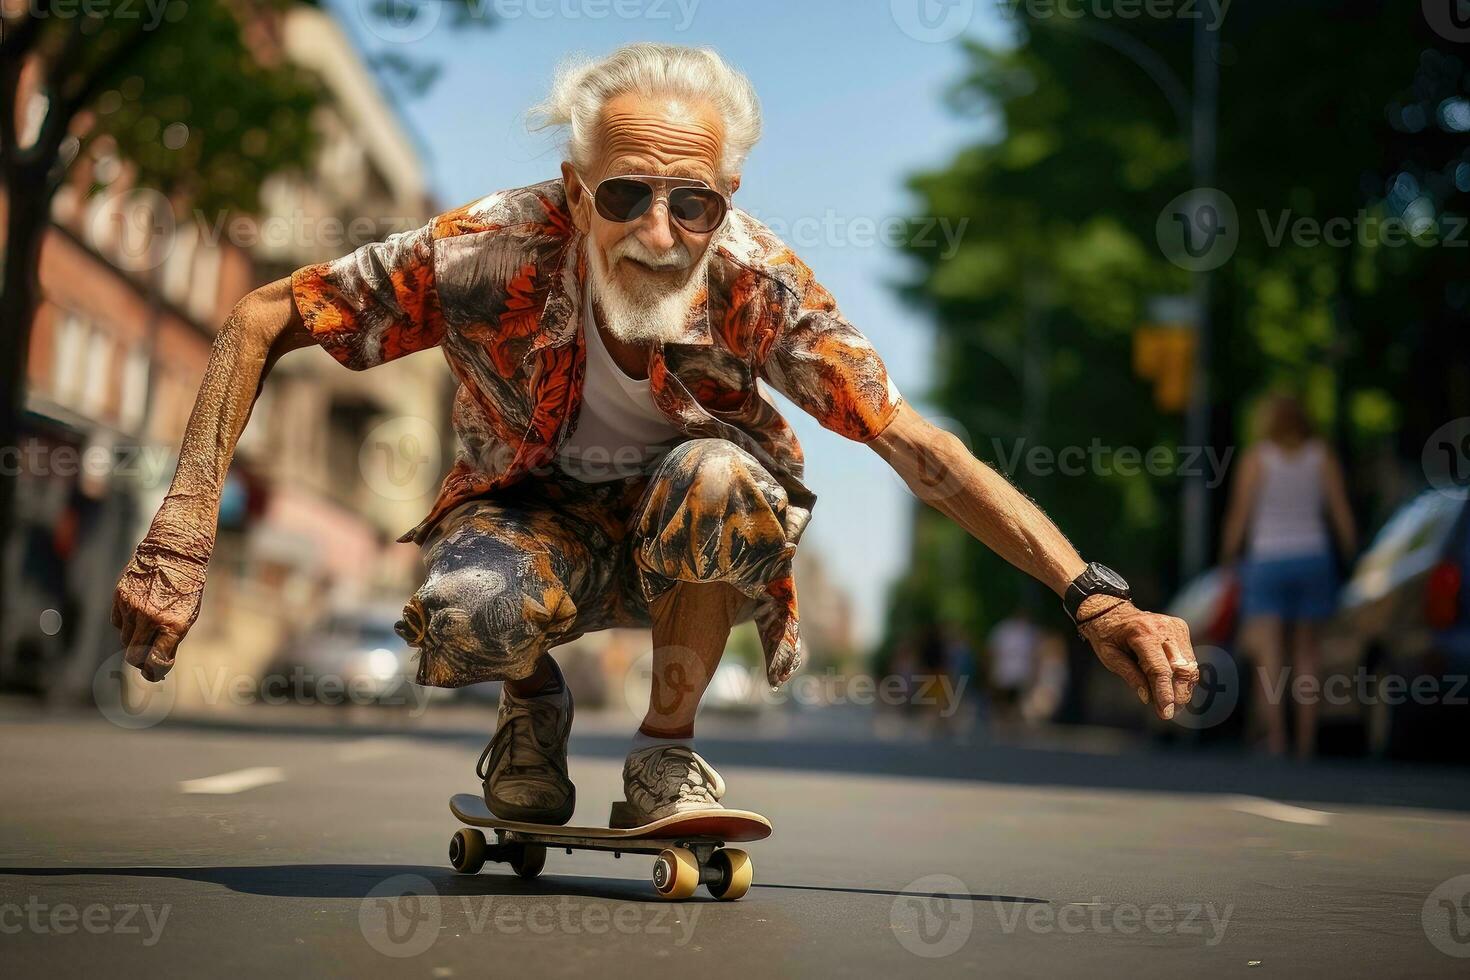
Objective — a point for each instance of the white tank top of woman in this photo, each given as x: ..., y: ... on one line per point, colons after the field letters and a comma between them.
x: 1288, y: 520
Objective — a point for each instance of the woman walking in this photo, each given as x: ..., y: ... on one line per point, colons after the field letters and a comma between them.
x: 1286, y: 490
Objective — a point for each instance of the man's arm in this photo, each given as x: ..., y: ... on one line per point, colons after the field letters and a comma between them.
x: 1150, y: 652
x: 158, y: 595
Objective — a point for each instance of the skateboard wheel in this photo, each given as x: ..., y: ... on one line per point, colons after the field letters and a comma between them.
x: 467, y: 851
x: 735, y: 873
x: 528, y: 860
x: 676, y: 873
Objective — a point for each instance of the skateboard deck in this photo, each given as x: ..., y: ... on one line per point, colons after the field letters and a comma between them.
x: 690, y: 847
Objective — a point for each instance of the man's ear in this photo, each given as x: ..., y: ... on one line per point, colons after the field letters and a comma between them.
x: 576, y: 197
x: 734, y: 184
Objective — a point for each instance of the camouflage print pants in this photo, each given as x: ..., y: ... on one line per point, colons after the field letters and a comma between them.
x: 549, y: 559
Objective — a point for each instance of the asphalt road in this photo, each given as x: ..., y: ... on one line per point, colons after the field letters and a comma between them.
x: 269, y: 849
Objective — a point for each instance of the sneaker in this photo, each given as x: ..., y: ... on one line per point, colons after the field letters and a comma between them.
x: 663, y: 780
x: 524, y: 768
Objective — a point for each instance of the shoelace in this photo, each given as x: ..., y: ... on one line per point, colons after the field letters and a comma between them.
x: 527, y: 754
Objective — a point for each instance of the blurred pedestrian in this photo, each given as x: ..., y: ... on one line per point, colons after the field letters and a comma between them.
x: 1012, y: 647
x: 1287, y: 489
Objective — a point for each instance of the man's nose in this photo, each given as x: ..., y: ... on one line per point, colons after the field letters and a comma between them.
x: 655, y: 229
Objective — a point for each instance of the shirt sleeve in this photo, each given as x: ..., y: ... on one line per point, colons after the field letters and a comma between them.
x: 828, y: 368
x: 376, y: 304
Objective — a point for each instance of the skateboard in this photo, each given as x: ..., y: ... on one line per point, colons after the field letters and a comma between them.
x: 690, y: 847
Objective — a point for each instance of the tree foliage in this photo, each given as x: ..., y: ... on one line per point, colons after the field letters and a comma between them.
x: 1326, y: 111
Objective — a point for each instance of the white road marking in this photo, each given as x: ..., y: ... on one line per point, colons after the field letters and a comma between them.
x: 234, y: 782
x: 1284, y: 812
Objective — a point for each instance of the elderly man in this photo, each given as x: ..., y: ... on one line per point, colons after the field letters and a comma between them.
x: 620, y: 463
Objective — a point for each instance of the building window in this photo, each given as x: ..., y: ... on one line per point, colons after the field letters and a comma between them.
x: 133, y: 406
x: 66, y: 362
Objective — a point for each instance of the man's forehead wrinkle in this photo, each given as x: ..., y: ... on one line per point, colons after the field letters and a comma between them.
x: 693, y: 143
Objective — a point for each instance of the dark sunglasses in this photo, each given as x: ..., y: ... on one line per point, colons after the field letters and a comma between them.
x: 695, y: 205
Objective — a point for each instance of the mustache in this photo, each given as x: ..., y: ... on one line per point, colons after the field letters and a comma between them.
x: 675, y: 257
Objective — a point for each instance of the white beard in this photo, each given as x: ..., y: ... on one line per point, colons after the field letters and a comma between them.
x: 646, y: 312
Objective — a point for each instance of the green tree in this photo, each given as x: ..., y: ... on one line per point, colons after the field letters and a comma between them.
x: 1326, y: 110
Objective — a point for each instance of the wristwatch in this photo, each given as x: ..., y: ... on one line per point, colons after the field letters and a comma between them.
x: 1096, y: 579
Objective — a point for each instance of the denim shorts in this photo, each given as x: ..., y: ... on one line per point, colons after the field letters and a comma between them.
x: 1302, y: 587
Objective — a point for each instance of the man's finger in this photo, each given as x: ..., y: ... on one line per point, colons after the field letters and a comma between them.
x: 1120, y: 663
x: 1160, y: 675
x: 1185, y: 670
x: 160, y: 658
x: 140, y: 641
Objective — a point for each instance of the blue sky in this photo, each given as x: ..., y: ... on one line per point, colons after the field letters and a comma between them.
x: 852, y: 103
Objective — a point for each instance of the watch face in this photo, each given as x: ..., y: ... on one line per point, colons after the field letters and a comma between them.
x: 1109, y: 577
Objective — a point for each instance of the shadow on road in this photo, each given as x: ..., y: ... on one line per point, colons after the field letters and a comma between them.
x: 368, y: 880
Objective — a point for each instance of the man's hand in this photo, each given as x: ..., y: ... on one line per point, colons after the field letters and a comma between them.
x: 1150, y: 652
x: 158, y: 596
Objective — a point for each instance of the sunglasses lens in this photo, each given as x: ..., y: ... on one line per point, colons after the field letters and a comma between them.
x: 623, y: 200
x: 697, y: 208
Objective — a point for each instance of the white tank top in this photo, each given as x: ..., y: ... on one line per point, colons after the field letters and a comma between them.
x: 619, y: 429
x: 1288, y: 519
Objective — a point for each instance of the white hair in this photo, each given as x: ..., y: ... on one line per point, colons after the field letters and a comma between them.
x: 583, y: 86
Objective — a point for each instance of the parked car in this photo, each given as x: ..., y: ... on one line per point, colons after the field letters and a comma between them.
x: 352, y: 657
x: 1401, y: 636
